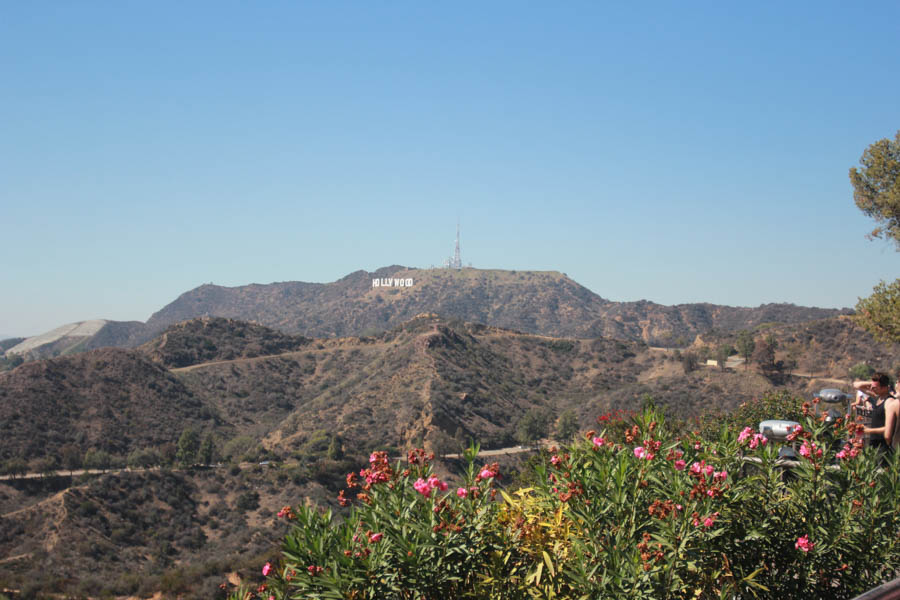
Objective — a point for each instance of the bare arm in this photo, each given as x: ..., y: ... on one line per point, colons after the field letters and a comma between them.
x: 891, y: 412
x: 864, y: 386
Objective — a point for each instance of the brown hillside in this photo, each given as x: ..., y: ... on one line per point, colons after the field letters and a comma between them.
x: 545, y: 303
x: 113, y: 400
x: 210, y: 339
x: 437, y: 380
x: 134, y: 534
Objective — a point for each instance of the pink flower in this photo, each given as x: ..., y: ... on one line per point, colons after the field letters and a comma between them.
x: 486, y: 473
x: 708, y: 521
x: 555, y: 460
x: 461, y: 492
x: 375, y: 537
x: 598, y: 442
x: 720, y: 476
x: 744, y: 434
x: 709, y: 470
x: 804, y: 544
x: 267, y: 568
x: 680, y: 465
x: 697, y: 445
x: 422, y: 487
x: 372, y: 457
x: 758, y: 440
x: 639, y: 452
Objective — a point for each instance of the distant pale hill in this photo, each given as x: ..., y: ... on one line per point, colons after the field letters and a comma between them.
x: 77, y: 337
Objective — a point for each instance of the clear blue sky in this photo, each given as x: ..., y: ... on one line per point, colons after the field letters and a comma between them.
x: 677, y: 152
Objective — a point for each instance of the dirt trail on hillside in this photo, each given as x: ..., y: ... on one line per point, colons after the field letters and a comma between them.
x: 290, y: 354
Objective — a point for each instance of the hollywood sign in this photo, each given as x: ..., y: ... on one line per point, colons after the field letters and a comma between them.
x: 391, y: 282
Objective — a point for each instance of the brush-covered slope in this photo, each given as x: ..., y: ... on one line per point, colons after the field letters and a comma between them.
x: 214, y: 338
x: 541, y: 302
x: 832, y: 346
x: 138, y: 534
x: 429, y: 380
x: 111, y: 399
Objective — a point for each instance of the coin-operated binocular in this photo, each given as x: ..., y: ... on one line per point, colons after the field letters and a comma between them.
x: 834, y: 397
x: 777, y: 430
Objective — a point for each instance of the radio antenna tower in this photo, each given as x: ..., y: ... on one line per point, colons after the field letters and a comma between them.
x: 455, y: 262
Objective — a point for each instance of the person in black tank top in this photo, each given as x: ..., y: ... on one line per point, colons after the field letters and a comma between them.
x: 879, y: 412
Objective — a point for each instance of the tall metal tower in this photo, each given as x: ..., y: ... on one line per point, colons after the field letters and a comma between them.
x: 455, y: 262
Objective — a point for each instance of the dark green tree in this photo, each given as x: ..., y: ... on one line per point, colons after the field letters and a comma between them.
x: 15, y: 467
x: 876, y: 187
x: 70, y: 457
x: 722, y: 354
x: 861, y: 371
x: 207, y: 453
x: 566, y: 426
x: 532, y: 426
x: 876, y: 191
x: 188, y: 447
x: 704, y: 353
x: 689, y: 362
x: 96, y: 459
x: 745, y: 345
x: 764, y: 353
x: 335, y: 448
x: 143, y: 459
x: 879, y: 314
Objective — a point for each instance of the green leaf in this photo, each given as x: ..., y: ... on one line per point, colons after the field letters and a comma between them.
x: 549, y: 563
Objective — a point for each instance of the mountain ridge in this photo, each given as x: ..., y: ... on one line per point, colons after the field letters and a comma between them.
x: 536, y: 302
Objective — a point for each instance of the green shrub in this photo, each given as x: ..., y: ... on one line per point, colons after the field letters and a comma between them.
x: 654, y: 515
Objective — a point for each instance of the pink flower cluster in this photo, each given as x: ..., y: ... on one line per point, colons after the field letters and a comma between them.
x: 643, y: 453
x: 846, y: 452
x: 809, y: 450
x: 708, y: 522
x: 803, y: 544
x: 379, y: 472
x: 599, y: 442
x: 756, y: 439
x: 424, y: 486
x: 488, y: 472
x: 701, y: 468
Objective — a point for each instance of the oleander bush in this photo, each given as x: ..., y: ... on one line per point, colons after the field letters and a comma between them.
x: 650, y: 514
